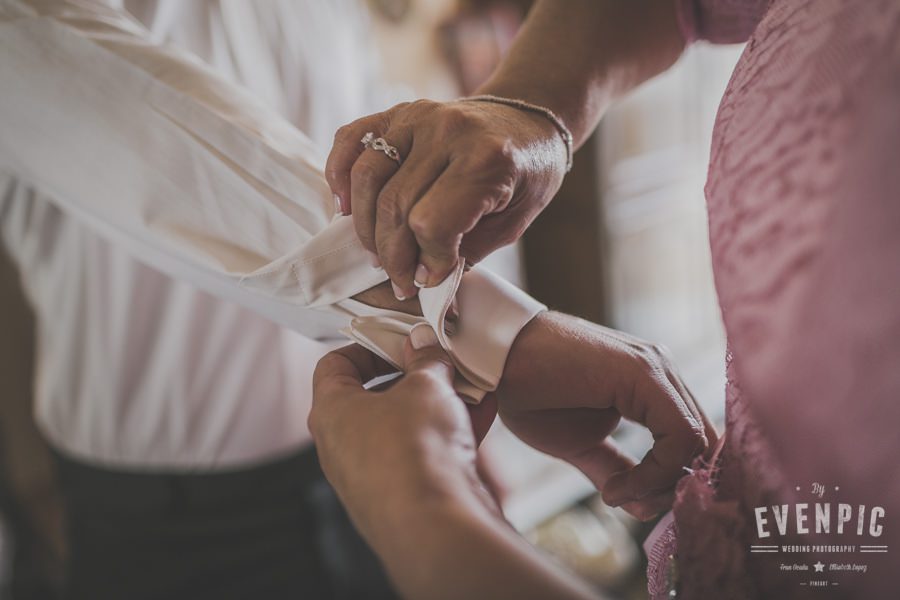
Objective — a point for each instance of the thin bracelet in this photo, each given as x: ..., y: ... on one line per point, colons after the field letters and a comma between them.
x: 541, y: 110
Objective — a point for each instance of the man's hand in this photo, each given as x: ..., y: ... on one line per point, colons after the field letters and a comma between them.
x: 566, y: 385
x: 408, y: 441
x: 474, y: 175
x: 402, y: 462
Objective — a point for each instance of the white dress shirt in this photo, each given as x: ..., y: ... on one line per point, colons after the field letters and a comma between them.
x: 171, y: 224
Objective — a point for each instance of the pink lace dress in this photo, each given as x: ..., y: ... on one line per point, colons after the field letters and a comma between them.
x: 804, y: 217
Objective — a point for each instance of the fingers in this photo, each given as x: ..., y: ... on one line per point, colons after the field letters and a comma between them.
x: 338, y: 376
x: 650, y: 507
x: 351, y: 366
x: 600, y: 462
x: 709, y: 430
x: 423, y: 354
x: 346, y: 149
x: 394, y: 240
x: 438, y: 229
x: 678, y: 437
x: 368, y: 176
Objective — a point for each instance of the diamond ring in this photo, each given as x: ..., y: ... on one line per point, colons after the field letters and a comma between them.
x: 379, y: 143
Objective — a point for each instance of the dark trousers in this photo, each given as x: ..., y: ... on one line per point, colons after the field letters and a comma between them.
x: 273, y: 531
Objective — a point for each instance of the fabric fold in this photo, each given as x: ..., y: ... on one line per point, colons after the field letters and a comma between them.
x: 492, y: 312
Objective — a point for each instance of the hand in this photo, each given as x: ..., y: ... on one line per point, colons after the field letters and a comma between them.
x: 381, y: 296
x: 403, y: 463
x: 474, y: 176
x: 383, y: 449
x: 566, y: 385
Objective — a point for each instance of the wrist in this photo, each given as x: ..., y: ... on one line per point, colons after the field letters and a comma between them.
x: 564, y: 105
x: 437, y: 477
x: 568, y: 356
x: 544, y: 114
x: 425, y: 535
x: 430, y: 498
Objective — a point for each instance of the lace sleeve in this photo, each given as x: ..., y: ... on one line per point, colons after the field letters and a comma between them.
x: 719, y: 21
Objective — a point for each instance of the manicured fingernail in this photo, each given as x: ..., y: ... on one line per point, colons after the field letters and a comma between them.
x: 374, y: 260
x: 422, y: 336
x: 337, y: 205
x: 398, y: 293
x: 614, y: 502
x: 421, y: 277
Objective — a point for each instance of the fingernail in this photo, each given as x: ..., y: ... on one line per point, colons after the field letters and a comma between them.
x: 398, y: 293
x: 374, y: 260
x: 421, y: 277
x: 615, y: 502
x: 337, y: 205
x: 422, y: 336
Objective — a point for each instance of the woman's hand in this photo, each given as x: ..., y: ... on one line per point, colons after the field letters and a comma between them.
x: 473, y: 176
x: 566, y: 385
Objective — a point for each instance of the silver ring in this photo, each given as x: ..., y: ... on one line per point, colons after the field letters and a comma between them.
x: 379, y: 143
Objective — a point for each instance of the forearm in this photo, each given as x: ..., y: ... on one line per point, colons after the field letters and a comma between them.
x: 453, y: 545
x: 577, y: 56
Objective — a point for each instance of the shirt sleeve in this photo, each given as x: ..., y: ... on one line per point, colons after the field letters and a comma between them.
x: 719, y: 21
x: 187, y: 172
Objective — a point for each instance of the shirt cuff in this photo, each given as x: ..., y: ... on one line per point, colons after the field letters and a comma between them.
x: 492, y: 312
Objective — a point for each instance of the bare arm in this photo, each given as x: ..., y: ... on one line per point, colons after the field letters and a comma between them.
x: 467, y: 550
x: 474, y: 175
x: 578, y: 56
x: 402, y: 461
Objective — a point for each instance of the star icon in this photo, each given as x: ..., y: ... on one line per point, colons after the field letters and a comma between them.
x: 819, y: 567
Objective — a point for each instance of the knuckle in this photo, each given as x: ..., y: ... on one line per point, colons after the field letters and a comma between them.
x: 497, y: 193
x: 410, y: 113
x: 500, y: 154
x: 698, y: 436
x: 648, y: 359
x: 420, y: 105
x: 452, y: 120
x: 364, y: 173
x: 434, y: 232
x: 344, y: 132
x: 390, y: 210
x: 401, y: 106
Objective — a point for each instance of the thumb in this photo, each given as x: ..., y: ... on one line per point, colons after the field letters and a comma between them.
x: 423, y: 353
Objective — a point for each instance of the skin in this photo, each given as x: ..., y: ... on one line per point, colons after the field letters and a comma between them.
x: 425, y: 480
x: 475, y: 175
x: 403, y: 459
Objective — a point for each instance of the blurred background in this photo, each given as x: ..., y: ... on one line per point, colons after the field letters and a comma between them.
x: 623, y: 244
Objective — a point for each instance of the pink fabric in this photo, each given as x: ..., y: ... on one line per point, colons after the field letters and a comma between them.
x: 804, y: 215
